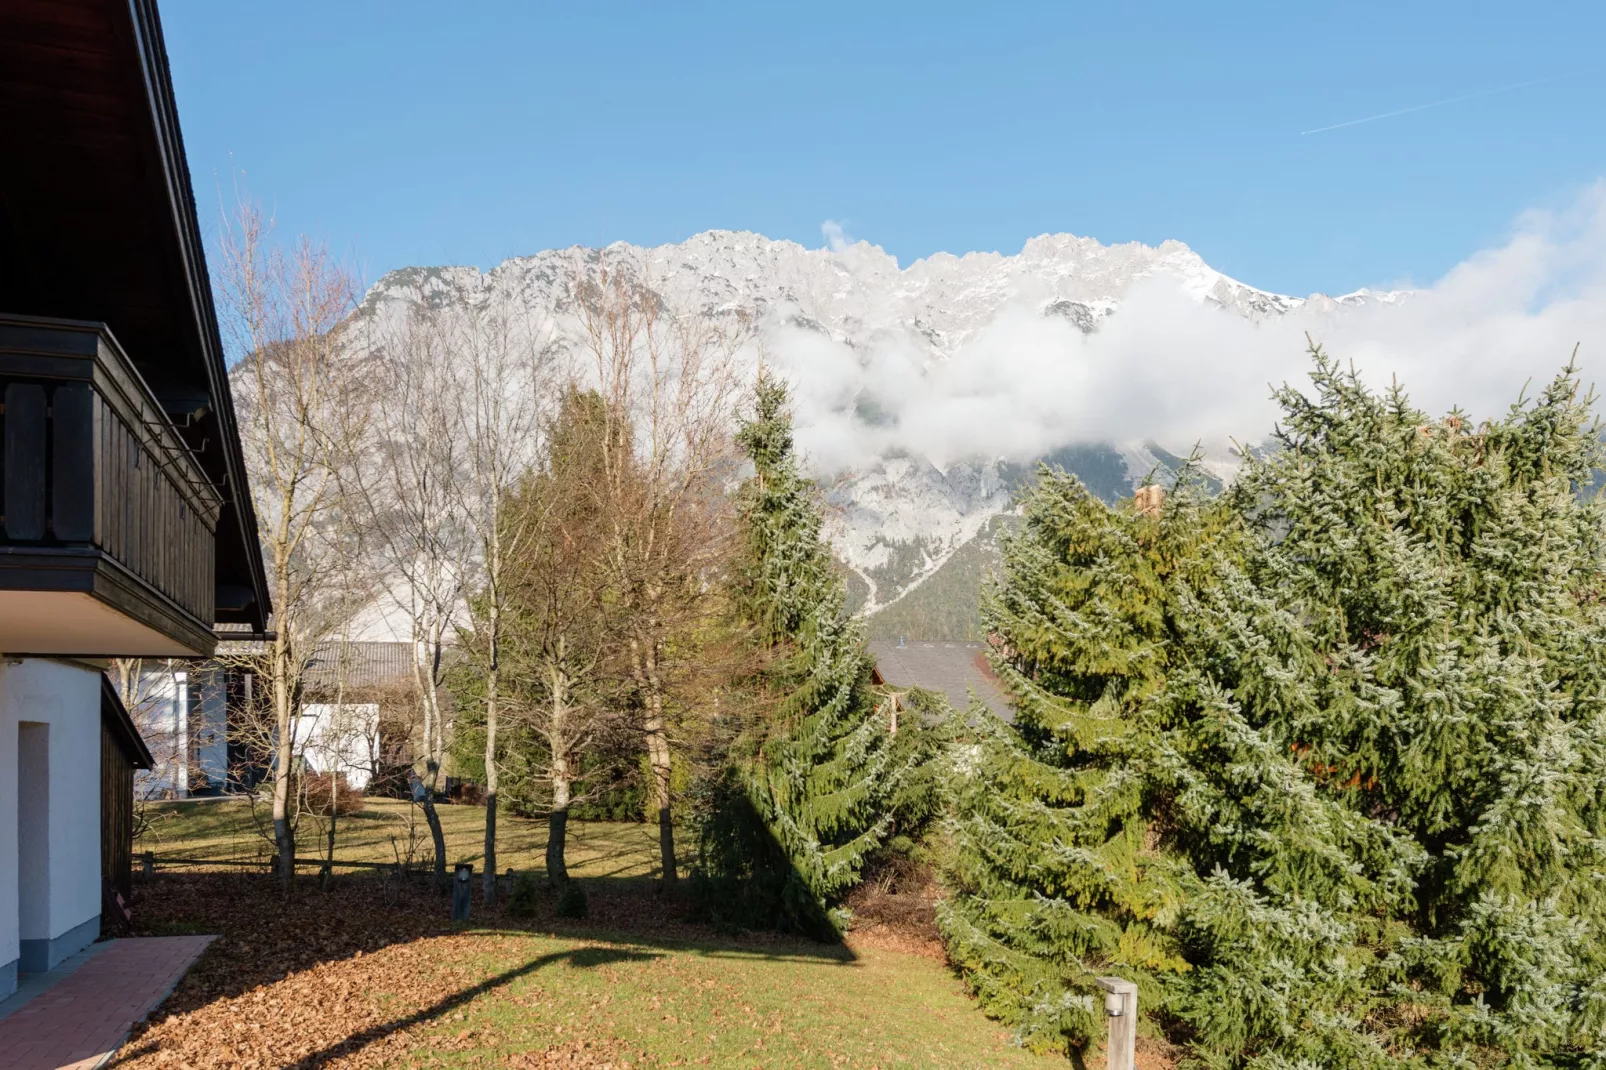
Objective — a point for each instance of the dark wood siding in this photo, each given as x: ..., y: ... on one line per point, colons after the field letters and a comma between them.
x: 24, y: 449
x: 98, y: 223
x: 92, y: 467
x: 150, y: 525
x: 116, y: 811
x: 121, y: 752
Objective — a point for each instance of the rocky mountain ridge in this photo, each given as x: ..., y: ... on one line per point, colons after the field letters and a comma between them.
x: 896, y: 517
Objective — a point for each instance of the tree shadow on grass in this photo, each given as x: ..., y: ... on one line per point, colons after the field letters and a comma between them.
x: 688, y: 939
x: 748, y: 899
x: 583, y: 957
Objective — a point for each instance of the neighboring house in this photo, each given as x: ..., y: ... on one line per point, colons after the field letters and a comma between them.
x: 954, y: 670
x: 180, y: 709
x: 340, y: 739
x: 126, y: 527
x: 340, y: 668
x: 354, y: 698
x: 190, y: 714
x: 350, y: 683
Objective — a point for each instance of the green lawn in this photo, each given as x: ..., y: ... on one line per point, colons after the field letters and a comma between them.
x: 229, y: 829
x: 345, y: 976
x: 496, y: 997
x: 726, y: 1006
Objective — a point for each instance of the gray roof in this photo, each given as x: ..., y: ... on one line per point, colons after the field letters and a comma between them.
x: 951, y: 669
x: 367, y: 666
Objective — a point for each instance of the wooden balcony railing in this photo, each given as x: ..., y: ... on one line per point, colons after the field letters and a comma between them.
x: 99, y: 494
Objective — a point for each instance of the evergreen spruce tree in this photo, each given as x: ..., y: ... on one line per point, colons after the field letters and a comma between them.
x: 1054, y: 875
x: 1418, y: 636
x: 802, y: 797
x: 1368, y: 765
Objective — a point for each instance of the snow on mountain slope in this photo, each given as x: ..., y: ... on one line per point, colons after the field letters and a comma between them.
x: 896, y: 516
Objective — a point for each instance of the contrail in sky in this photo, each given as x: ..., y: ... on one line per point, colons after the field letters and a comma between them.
x: 1423, y: 107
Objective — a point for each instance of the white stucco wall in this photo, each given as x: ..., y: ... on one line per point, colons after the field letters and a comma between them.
x: 64, y: 697
x: 340, y: 739
x: 209, y: 729
x: 181, y: 712
x: 160, y: 711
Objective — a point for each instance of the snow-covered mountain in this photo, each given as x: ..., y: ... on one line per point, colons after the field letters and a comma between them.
x: 897, y: 516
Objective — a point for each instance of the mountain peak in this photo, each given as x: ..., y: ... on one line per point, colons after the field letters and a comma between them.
x: 854, y: 312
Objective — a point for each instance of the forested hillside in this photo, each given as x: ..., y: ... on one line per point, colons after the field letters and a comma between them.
x: 946, y: 604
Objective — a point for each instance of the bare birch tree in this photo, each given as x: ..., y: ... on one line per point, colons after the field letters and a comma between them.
x: 499, y: 404
x: 668, y: 384
x: 409, y: 486
x: 285, y: 311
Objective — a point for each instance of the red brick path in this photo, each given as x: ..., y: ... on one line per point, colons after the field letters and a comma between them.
x: 83, y: 1018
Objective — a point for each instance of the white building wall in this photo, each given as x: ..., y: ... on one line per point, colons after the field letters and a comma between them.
x: 209, y: 730
x: 340, y: 739
x: 160, y: 712
x: 182, y: 714
x: 60, y: 701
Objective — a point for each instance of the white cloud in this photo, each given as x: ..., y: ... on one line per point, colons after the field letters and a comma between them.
x: 1167, y: 368
x: 836, y: 238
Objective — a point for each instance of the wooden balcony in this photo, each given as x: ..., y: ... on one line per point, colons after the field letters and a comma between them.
x: 107, y: 523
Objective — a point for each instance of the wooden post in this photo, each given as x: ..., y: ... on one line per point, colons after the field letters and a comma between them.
x: 1121, y: 1008
x: 462, y: 891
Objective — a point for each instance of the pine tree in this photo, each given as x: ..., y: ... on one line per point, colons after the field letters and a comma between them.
x: 802, y: 797
x: 1053, y: 873
x: 1418, y: 637
x: 1365, y: 758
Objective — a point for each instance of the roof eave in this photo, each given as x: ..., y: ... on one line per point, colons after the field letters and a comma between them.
x: 181, y: 201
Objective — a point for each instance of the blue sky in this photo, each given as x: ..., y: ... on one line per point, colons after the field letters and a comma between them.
x: 413, y: 133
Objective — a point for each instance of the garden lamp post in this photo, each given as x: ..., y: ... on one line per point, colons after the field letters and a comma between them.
x: 462, y: 887
x: 1121, y: 1008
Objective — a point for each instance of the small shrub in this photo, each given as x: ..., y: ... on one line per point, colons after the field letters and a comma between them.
x: 322, y: 788
x: 522, y: 902
x: 572, y: 901
x: 393, y: 764
x: 464, y: 792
